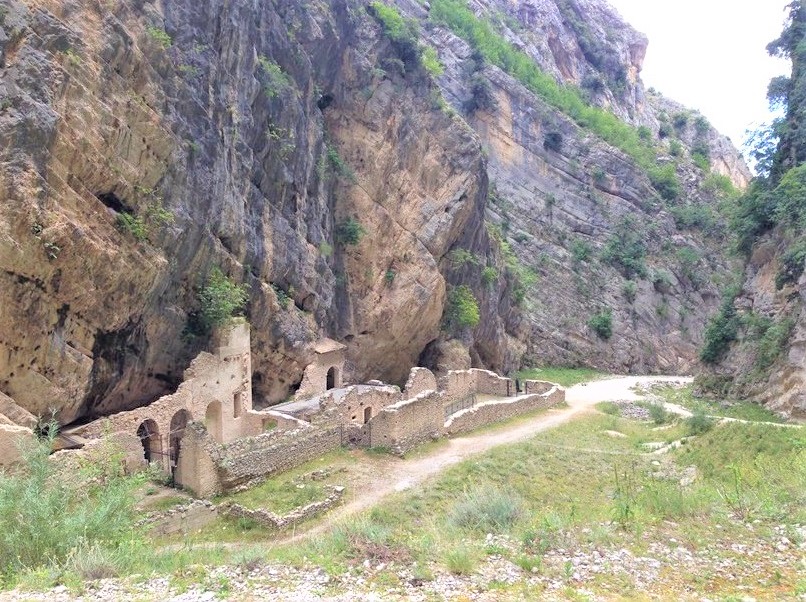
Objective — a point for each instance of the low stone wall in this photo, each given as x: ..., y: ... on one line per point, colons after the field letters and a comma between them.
x: 272, y: 521
x: 493, y: 411
x: 409, y: 423
x: 181, y: 519
x: 490, y: 383
x: 536, y: 386
x: 275, y: 452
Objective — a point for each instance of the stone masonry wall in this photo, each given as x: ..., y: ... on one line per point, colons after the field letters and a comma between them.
x: 275, y: 452
x: 536, y: 386
x: 494, y: 411
x: 420, y: 380
x: 216, y: 390
x: 490, y: 383
x: 409, y: 423
x: 197, y: 469
x: 270, y: 520
x: 314, y: 378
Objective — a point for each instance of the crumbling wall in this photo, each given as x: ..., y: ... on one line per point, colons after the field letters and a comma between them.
x: 314, y: 378
x: 490, y: 412
x: 490, y: 383
x: 537, y: 386
x: 275, y: 452
x: 197, y: 466
x: 409, y: 423
x: 420, y: 380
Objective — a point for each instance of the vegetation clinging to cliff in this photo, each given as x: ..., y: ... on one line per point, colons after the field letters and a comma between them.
x: 456, y: 16
x: 221, y: 299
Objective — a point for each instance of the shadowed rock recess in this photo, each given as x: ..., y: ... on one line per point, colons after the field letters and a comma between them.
x: 142, y: 144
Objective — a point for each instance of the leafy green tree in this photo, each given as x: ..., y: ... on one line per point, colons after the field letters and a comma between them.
x: 221, y: 299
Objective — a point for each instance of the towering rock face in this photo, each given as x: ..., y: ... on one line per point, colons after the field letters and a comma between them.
x: 756, y: 344
x: 301, y: 150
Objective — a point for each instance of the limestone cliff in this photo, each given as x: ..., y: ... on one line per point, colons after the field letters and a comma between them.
x: 143, y: 143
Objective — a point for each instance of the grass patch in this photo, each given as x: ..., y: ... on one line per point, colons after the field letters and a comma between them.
x: 730, y: 408
x: 567, y: 377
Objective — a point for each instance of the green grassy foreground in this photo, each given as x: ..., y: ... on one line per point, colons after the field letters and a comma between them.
x: 578, y: 491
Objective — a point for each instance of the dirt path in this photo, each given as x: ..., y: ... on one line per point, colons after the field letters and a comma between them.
x: 396, y: 474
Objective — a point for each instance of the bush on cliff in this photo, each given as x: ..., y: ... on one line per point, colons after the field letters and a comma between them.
x: 221, y: 299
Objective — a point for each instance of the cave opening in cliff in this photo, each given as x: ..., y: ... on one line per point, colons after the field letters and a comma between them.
x: 114, y: 202
x: 149, y: 436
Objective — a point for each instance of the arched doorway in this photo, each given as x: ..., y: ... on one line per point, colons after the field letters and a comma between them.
x: 149, y: 436
x: 178, y: 423
x: 332, y: 378
x: 212, y: 420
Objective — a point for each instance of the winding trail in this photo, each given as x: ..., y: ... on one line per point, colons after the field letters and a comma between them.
x: 391, y: 475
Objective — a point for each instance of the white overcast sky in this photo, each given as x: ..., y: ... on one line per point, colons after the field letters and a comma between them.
x: 710, y: 55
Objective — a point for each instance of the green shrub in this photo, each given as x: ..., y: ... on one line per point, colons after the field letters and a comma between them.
x: 481, y: 95
x: 702, y: 217
x: 680, y: 121
x: 160, y: 36
x: 625, y: 249
x: 629, y: 290
x: 489, y: 275
x: 221, y: 299
x: 665, y: 130
x: 751, y: 215
x: 277, y: 80
x: 401, y: 31
x: 721, y: 331
x: 675, y: 148
x: 658, y: 413
x: 349, y: 232
x: 788, y: 197
x: 462, y: 257
x: 325, y: 249
x: 773, y: 342
x: 719, y: 186
x: 644, y: 133
x: 487, y: 510
x: 699, y: 423
x: 134, y: 225
x: 389, y: 276
x: 701, y: 125
x: 283, y: 298
x: 462, y: 309
x: 581, y: 251
x: 602, y: 323
x: 791, y: 267
x: 664, y: 180
x: 430, y: 61
x: 701, y: 161
x: 50, y: 516
x: 338, y: 166
x: 461, y: 560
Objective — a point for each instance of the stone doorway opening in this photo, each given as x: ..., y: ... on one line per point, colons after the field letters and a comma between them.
x: 177, y: 431
x: 332, y: 378
x: 149, y: 436
x: 367, y: 415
